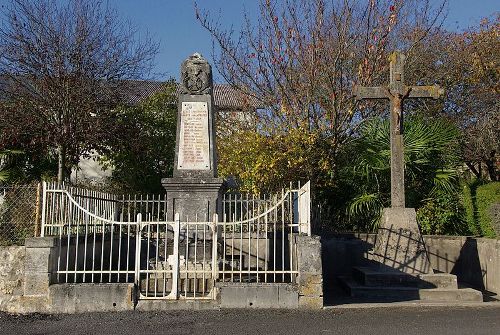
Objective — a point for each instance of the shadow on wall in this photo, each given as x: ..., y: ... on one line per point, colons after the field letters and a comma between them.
x: 468, y: 266
x: 475, y: 261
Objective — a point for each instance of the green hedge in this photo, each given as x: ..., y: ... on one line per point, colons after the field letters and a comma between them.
x: 469, y: 208
x: 486, y: 196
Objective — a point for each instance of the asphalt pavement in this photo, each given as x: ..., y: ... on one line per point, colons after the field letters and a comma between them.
x: 385, y: 320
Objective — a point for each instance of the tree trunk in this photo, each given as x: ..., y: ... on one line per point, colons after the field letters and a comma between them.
x: 473, y: 169
x: 490, y: 165
x: 61, y: 163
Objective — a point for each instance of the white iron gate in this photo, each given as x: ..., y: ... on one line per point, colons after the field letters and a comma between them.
x: 104, y: 238
x: 176, y: 260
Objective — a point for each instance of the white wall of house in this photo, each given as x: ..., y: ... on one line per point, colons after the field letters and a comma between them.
x: 89, y: 170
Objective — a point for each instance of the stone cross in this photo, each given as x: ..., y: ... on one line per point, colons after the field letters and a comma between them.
x: 397, y: 92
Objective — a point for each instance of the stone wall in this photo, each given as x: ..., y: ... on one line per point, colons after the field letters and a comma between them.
x: 25, y: 276
x: 11, y: 273
x: 475, y: 261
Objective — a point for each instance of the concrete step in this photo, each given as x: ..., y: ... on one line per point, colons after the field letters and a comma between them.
x: 385, y: 293
x: 451, y: 295
x: 438, y: 280
x: 372, y: 276
x: 402, y: 293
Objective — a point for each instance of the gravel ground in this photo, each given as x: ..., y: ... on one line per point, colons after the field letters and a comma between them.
x: 387, y: 321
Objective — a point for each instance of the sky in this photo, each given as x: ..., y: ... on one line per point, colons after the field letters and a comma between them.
x: 174, y: 25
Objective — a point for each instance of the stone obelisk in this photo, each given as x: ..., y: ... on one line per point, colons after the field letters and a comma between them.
x: 195, y: 191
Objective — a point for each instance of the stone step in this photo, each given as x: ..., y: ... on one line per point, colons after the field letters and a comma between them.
x: 372, y: 276
x: 402, y: 293
x: 451, y: 295
x: 438, y: 280
x: 383, y: 293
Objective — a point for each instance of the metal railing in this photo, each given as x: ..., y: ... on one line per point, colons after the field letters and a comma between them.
x: 258, y: 236
x: 105, y: 238
x: 123, y: 208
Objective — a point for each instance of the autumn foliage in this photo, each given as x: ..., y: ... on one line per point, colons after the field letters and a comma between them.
x: 301, y: 60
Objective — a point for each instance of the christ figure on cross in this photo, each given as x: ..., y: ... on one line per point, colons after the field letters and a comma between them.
x: 397, y: 92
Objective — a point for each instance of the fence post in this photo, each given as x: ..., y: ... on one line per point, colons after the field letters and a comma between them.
x: 36, y: 233
x: 304, y: 209
x: 137, y: 279
x: 44, y: 205
x: 215, y: 268
x: 175, y: 267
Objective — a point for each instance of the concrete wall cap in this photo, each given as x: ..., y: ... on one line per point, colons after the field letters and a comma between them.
x: 40, y: 242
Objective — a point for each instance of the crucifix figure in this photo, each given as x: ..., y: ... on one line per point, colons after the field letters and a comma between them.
x: 397, y: 92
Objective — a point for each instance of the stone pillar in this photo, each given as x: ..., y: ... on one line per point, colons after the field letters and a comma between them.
x: 39, y: 265
x: 195, y: 191
x: 310, y: 280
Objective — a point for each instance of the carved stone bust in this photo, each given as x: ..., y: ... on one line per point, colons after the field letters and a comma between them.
x: 196, y: 75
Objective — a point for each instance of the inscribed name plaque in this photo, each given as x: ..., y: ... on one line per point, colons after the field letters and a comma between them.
x: 194, y: 144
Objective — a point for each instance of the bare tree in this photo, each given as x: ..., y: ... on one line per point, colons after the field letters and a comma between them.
x: 64, y: 64
x: 467, y: 65
x: 302, y: 58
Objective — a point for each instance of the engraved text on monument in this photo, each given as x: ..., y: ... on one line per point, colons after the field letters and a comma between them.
x: 194, y: 145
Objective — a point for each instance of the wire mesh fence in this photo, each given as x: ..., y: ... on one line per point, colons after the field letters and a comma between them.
x: 19, y: 213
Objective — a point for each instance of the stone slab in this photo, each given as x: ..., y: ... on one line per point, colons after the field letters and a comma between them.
x: 78, y: 298
x: 374, y: 276
x: 37, y: 260
x: 311, y: 290
x: 451, y: 295
x: 357, y: 290
x: 194, y: 140
x: 309, y: 254
x: 310, y: 284
x: 257, y: 295
x: 168, y: 305
x: 438, y: 280
x: 36, y: 284
x: 11, y: 270
x: 40, y: 242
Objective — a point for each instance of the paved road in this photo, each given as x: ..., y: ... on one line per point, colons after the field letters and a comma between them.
x: 386, y: 321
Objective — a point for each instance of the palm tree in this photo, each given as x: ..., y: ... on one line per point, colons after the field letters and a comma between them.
x: 431, y: 162
x: 5, y: 160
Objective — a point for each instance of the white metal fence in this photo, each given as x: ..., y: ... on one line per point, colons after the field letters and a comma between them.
x: 257, y: 235
x: 106, y: 238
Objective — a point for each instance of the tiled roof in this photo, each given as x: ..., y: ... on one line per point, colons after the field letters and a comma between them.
x: 225, y: 96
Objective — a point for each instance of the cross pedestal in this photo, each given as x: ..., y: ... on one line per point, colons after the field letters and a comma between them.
x: 399, y: 243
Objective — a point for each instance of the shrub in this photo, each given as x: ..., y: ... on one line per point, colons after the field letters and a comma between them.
x: 443, y: 215
x: 487, y: 200
x: 469, y: 211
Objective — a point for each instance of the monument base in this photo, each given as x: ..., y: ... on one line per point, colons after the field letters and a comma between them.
x: 399, y: 243
x: 195, y: 199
